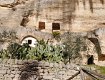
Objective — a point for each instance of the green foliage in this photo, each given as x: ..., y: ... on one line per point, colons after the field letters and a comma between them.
x: 99, y: 69
x: 15, y: 51
x: 73, y: 45
x: 42, y: 51
x: 56, y: 35
x: 4, y: 54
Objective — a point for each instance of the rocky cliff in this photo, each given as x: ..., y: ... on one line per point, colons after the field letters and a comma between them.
x: 85, y: 16
x: 74, y: 15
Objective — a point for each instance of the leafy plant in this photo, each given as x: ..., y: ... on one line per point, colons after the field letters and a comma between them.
x: 42, y: 51
x: 4, y: 54
x: 73, y: 45
x: 15, y: 51
x: 56, y: 35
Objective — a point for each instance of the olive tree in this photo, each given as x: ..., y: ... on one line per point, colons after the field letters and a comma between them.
x: 73, y: 45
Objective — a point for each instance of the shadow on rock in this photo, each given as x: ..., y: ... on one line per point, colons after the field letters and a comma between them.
x: 29, y: 71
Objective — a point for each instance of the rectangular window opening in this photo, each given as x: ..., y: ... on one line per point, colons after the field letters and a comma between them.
x: 55, y: 26
x: 29, y: 41
x: 41, y: 25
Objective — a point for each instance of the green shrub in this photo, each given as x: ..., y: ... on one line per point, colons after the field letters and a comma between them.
x: 56, y: 34
x: 4, y: 54
x: 42, y: 51
x: 46, y: 52
x: 15, y: 51
x: 74, y: 44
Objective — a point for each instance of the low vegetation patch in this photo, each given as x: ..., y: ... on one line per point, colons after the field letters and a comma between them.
x: 67, y: 51
x: 101, y: 69
x: 98, y: 69
x: 42, y: 51
x: 56, y: 35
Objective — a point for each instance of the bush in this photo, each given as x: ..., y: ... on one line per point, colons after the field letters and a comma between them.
x: 74, y: 44
x: 56, y: 35
x: 42, y: 51
x: 15, y: 51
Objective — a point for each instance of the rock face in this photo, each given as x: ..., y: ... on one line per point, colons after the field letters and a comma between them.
x: 89, y: 16
x: 27, y: 16
x: 30, y: 70
x: 2, y: 2
x: 70, y: 15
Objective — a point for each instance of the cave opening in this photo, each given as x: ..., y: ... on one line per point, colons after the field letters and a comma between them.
x: 90, y: 60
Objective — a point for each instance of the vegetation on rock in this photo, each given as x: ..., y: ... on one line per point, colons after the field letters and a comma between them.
x: 8, y: 36
x: 74, y: 44
x: 42, y: 51
x: 69, y: 50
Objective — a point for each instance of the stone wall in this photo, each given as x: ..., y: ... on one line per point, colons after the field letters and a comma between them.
x: 76, y: 16
x: 15, y: 69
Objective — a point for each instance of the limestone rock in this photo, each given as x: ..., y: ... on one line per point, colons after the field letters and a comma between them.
x: 2, y: 2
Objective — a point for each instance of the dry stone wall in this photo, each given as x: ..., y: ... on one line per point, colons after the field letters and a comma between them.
x: 12, y: 70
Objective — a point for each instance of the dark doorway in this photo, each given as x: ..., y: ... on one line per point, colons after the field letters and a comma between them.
x: 24, y: 21
x: 55, y: 26
x: 41, y: 25
x: 90, y: 60
x: 29, y: 41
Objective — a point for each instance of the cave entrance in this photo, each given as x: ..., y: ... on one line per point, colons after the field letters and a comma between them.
x: 90, y: 60
x: 55, y: 26
x: 24, y: 21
